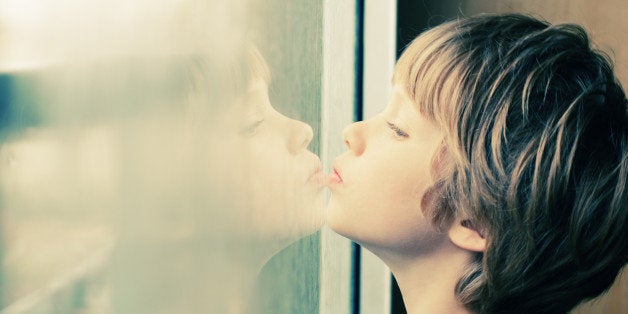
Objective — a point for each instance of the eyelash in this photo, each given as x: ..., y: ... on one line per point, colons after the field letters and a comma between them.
x: 397, y: 130
x: 250, y: 129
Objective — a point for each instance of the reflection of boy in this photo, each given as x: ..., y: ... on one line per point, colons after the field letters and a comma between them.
x: 537, y: 142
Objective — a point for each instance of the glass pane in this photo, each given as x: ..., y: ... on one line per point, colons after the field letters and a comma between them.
x: 161, y: 156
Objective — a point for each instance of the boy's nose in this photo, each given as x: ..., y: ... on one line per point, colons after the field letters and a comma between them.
x: 353, y: 137
x: 300, y: 137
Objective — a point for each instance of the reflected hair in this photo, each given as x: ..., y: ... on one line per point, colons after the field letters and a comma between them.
x: 535, y: 135
x: 214, y: 82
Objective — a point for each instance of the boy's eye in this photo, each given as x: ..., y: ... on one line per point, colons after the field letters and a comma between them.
x: 398, y: 132
x: 250, y: 129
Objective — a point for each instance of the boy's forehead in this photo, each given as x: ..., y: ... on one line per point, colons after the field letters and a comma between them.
x: 258, y: 68
x: 400, y: 94
x: 400, y: 98
x: 257, y: 85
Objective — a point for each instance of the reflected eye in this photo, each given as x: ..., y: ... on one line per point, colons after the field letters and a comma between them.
x: 250, y: 129
x: 398, y: 132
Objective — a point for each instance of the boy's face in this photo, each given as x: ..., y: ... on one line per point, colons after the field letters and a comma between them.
x: 381, y: 180
x: 276, y: 181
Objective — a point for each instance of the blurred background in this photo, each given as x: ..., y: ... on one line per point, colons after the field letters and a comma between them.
x: 163, y: 156
x: 156, y: 155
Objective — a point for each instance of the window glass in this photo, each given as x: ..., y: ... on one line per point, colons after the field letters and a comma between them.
x: 163, y: 156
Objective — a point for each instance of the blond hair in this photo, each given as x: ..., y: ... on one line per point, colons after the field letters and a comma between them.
x: 536, y: 139
x: 214, y: 84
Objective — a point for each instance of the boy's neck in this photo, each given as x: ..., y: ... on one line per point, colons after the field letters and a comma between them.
x: 428, y: 282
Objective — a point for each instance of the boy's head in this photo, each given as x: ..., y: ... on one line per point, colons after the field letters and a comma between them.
x: 536, y: 139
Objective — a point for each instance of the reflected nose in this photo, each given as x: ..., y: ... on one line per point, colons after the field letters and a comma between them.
x: 353, y: 137
x: 300, y: 137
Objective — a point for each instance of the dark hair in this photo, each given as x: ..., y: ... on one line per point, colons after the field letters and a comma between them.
x: 536, y: 131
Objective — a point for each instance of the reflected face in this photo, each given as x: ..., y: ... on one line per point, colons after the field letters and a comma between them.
x: 278, y: 181
x: 378, y: 183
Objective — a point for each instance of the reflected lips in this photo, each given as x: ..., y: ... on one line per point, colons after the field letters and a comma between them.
x: 334, y: 178
x: 316, y: 177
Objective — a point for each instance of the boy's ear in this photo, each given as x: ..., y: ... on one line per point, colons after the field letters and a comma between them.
x: 465, y: 235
